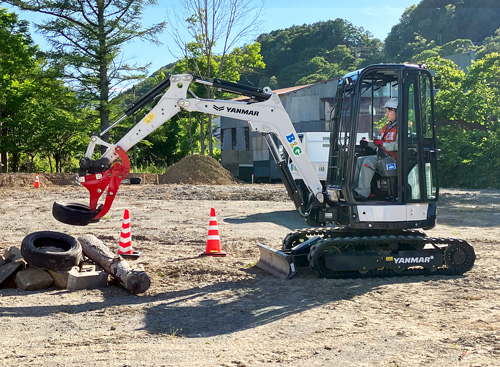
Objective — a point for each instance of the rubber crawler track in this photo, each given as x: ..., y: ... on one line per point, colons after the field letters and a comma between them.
x: 347, y: 238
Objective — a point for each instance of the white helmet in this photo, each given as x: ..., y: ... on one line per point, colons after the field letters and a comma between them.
x: 391, y: 103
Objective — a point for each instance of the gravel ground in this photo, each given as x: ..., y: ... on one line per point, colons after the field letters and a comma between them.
x: 225, y: 311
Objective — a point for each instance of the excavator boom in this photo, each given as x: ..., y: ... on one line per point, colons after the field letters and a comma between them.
x: 264, y: 113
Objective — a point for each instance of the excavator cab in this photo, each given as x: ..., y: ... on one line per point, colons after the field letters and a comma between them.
x: 377, y: 234
x: 404, y: 188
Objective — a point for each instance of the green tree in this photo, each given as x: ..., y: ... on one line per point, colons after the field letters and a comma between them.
x: 491, y: 44
x: 87, y: 39
x: 64, y: 124
x: 468, y: 129
x: 43, y: 118
x: 457, y: 46
x: 240, y: 60
x: 17, y: 57
x: 212, y: 23
x: 37, y: 111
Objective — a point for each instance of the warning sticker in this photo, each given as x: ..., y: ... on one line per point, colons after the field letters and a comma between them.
x: 150, y: 117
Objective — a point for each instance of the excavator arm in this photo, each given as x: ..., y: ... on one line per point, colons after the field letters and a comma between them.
x: 264, y: 113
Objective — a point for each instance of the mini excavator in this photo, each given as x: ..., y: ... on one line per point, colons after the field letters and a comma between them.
x: 349, y: 237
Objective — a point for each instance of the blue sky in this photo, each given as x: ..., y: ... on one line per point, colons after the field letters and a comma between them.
x: 375, y: 16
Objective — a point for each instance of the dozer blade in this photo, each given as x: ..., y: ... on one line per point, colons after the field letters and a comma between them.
x: 275, y: 262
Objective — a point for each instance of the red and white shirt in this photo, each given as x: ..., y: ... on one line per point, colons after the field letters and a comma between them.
x: 390, y: 139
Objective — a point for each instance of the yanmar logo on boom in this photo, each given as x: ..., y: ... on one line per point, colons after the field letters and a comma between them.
x: 240, y: 111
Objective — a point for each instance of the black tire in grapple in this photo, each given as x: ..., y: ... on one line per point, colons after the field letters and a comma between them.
x: 51, y: 250
x: 74, y: 213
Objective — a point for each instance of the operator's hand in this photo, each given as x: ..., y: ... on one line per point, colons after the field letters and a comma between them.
x: 378, y: 142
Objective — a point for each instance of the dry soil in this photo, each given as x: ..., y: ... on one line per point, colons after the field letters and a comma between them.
x: 225, y: 311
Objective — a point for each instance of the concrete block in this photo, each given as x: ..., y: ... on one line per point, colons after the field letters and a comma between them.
x: 33, y: 279
x: 61, y: 277
x: 86, y: 279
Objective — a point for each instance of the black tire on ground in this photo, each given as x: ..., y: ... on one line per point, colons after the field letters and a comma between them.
x: 51, y: 250
x: 135, y: 180
x: 74, y: 213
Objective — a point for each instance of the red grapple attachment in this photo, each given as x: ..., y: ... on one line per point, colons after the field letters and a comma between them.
x: 96, y: 184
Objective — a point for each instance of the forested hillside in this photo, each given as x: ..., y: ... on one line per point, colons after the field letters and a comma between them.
x: 320, y: 51
x: 313, y: 52
x: 437, y: 22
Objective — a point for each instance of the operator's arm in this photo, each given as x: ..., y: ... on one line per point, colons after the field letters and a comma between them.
x: 391, y: 146
x: 388, y: 146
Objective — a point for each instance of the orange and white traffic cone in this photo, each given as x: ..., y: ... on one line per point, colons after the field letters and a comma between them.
x: 213, y: 239
x: 125, y: 244
x: 37, y: 182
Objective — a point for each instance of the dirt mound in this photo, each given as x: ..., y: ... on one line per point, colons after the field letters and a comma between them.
x: 198, y: 170
x: 13, y: 180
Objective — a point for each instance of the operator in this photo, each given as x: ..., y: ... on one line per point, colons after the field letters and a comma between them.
x: 365, y: 166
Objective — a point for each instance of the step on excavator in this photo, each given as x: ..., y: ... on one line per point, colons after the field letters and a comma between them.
x: 350, y: 234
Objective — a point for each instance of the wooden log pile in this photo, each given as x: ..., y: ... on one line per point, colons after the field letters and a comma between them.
x: 136, y: 281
